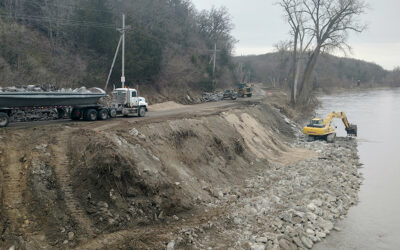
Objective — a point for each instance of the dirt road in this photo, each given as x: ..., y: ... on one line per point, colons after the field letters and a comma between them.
x: 174, y: 112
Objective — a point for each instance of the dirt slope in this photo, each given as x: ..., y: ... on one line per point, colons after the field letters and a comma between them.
x: 143, y: 183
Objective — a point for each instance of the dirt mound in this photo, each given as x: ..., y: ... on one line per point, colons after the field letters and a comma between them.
x: 165, y: 106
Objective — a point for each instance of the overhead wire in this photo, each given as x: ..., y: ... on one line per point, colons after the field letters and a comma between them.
x: 66, y: 22
x: 75, y: 7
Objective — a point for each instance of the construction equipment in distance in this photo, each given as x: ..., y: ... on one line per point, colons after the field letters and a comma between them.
x: 322, y: 129
x: 244, y: 90
x: 230, y: 94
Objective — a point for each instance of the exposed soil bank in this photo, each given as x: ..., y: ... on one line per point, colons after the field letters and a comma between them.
x: 239, y: 178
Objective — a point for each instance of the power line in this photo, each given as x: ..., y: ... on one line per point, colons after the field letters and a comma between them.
x: 66, y: 22
x: 74, y: 7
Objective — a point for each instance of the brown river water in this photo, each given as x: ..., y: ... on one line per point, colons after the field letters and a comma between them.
x: 374, y: 223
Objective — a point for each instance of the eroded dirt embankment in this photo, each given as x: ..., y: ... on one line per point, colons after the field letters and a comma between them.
x: 241, y: 178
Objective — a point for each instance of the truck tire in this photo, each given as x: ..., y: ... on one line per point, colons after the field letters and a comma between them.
x: 102, y: 115
x: 4, y: 120
x: 142, y: 112
x: 113, y: 113
x: 60, y: 113
x: 90, y: 115
x: 76, y: 114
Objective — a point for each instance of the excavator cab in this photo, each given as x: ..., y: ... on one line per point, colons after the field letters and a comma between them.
x: 317, y: 123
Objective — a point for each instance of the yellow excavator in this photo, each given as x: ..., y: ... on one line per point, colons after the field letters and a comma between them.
x: 322, y: 129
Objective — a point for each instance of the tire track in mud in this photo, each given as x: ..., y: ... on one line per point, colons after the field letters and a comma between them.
x: 64, y: 179
x: 14, y: 184
x: 14, y: 166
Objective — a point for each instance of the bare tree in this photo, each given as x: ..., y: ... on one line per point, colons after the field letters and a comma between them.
x: 331, y: 22
x: 302, y: 39
x: 325, y: 25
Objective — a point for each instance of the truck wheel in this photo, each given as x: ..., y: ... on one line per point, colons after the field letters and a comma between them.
x: 113, y: 113
x: 90, y: 115
x: 60, y: 113
x: 141, y: 112
x: 76, y: 114
x: 4, y: 120
x: 102, y: 115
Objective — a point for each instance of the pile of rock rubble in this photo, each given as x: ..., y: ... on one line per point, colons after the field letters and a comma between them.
x: 285, y: 207
x: 213, y: 97
x: 46, y: 88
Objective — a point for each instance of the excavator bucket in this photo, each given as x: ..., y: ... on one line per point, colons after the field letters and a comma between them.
x: 352, y: 130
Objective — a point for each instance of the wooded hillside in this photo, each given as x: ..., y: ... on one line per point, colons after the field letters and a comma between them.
x: 330, y: 71
x: 69, y: 43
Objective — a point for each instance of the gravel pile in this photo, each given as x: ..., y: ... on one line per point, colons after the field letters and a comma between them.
x: 213, y: 97
x: 48, y: 88
x: 285, y: 207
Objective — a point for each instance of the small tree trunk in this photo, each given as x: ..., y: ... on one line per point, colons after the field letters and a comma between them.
x: 297, y: 74
x: 294, y: 68
x: 305, y: 82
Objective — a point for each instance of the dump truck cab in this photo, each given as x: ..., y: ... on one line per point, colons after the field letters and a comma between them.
x: 126, y: 101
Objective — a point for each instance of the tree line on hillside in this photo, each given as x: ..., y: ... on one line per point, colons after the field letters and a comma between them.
x: 169, y: 43
x: 330, y: 72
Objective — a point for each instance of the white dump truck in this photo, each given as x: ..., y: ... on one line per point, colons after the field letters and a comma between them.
x: 127, y: 102
x: 16, y: 106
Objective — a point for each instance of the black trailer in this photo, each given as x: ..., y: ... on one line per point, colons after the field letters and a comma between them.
x: 80, y: 105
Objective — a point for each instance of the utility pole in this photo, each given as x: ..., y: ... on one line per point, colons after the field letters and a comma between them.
x: 121, y: 41
x: 123, y: 51
x: 215, y: 59
x: 214, y: 64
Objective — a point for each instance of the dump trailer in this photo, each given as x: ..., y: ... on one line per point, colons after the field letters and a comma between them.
x: 320, y: 128
x: 76, y: 105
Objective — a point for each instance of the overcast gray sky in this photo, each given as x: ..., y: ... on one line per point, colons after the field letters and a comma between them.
x: 259, y: 24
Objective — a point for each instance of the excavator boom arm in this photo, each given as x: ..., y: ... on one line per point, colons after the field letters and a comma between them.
x: 339, y: 115
x: 350, y: 128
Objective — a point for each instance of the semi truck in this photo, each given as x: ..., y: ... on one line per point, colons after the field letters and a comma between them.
x: 77, y: 106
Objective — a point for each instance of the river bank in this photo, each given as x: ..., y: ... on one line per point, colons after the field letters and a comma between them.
x: 285, y: 207
x: 230, y: 177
